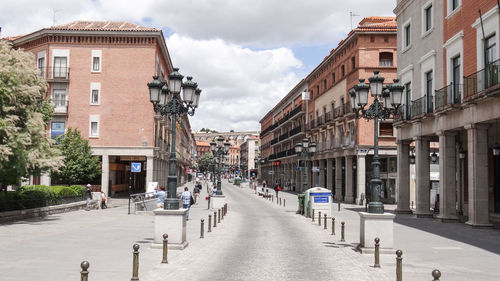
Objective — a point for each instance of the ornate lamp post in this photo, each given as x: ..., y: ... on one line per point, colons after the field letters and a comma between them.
x: 219, y: 150
x: 166, y: 100
x: 385, y: 105
x: 305, y: 148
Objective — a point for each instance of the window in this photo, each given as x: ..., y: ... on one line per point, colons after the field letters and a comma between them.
x: 372, y: 38
x: 386, y: 129
x: 56, y: 129
x: 94, y: 126
x: 96, y: 60
x: 428, y: 17
x: 95, y: 93
x: 454, y: 4
x: 353, y: 62
x: 407, y: 35
x: 455, y: 63
x: 407, y: 100
x: 41, y: 66
x: 428, y: 90
x: 324, y: 84
x: 60, y: 67
x: 342, y: 70
x: 333, y: 78
x: 58, y: 98
x: 385, y: 59
x: 386, y: 38
x: 490, y: 48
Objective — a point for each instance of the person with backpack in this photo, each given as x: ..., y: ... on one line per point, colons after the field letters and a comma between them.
x: 187, y: 201
x: 277, y: 188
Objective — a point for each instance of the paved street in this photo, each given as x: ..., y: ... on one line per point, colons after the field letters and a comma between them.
x: 257, y: 240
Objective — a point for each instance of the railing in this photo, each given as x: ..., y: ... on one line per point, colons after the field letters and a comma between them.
x: 283, y: 137
x: 55, y: 73
x: 294, y: 131
x: 347, y: 108
x: 274, y: 141
x: 421, y: 106
x: 310, y: 125
x: 320, y: 121
x: 483, y: 79
x: 339, y: 111
x: 291, y: 152
x: 60, y: 106
x: 328, y: 117
x: 451, y: 94
x: 296, y: 110
x: 272, y: 156
x: 281, y: 154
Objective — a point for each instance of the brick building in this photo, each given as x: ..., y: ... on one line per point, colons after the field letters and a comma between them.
x: 344, y: 151
x: 452, y: 92
x: 97, y: 74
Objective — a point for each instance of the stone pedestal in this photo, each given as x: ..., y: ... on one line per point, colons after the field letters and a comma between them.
x: 218, y: 201
x: 173, y: 223
x: 376, y: 225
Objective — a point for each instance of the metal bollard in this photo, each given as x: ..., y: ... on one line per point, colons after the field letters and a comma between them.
x: 284, y: 202
x: 342, y: 232
x: 215, y: 219
x: 324, y: 224
x: 202, y: 229
x: 339, y: 206
x: 209, y: 223
x: 222, y: 213
x: 272, y: 198
x: 377, y: 252
x: 436, y: 274
x: 280, y: 201
x: 165, y: 248
x: 399, y: 265
x: 312, y: 215
x: 209, y: 198
x: 319, y: 218
x: 135, y: 263
x: 84, y: 274
x: 333, y: 226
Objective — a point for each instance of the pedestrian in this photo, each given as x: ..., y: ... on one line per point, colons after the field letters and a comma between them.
x: 160, y: 196
x: 88, y: 196
x: 264, y: 184
x: 214, y: 190
x: 103, y: 200
x: 197, y: 191
x: 187, y: 200
x: 277, y: 188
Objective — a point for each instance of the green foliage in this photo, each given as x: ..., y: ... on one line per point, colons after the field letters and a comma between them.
x: 80, y: 166
x: 35, y: 196
x: 204, y: 162
x: 207, y: 130
x: 25, y: 148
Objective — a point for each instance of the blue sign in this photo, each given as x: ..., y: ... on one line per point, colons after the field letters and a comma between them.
x: 136, y: 167
x: 321, y: 199
x: 320, y: 194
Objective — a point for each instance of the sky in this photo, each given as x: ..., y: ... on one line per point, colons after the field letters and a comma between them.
x: 245, y: 55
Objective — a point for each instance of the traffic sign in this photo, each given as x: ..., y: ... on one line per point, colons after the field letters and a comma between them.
x: 136, y: 167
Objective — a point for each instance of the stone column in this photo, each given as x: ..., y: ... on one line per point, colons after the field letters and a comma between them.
x: 361, y: 177
x: 105, y: 174
x: 403, y: 177
x: 422, y: 164
x: 149, y: 169
x: 322, y: 171
x: 477, y: 156
x: 447, y: 176
x: 329, y: 176
x: 338, y: 179
x: 349, y: 185
x: 309, y: 174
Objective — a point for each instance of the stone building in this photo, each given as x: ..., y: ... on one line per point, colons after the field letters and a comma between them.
x: 448, y: 60
x: 97, y: 73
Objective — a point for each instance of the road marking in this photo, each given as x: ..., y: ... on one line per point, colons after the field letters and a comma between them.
x: 447, y: 248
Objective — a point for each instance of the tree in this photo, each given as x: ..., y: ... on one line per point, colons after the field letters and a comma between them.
x: 204, y: 162
x: 25, y: 148
x: 80, y: 166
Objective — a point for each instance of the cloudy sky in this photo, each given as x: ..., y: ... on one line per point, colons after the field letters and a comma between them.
x: 245, y: 54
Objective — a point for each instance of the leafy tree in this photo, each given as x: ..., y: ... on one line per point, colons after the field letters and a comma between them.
x: 80, y: 166
x: 204, y: 162
x: 25, y: 148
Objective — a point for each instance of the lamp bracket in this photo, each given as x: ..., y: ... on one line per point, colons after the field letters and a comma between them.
x: 377, y: 110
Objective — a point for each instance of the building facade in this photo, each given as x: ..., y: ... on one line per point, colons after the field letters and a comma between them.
x: 249, y: 151
x: 453, y: 101
x: 97, y: 74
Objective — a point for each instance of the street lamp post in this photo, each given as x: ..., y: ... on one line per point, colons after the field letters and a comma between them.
x: 219, y: 150
x: 166, y: 100
x: 304, y: 149
x: 385, y: 105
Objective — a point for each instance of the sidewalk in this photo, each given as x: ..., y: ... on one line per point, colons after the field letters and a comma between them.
x: 459, y: 251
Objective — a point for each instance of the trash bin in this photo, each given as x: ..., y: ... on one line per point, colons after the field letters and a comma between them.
x: 319, y: 199
x: 301, y: 204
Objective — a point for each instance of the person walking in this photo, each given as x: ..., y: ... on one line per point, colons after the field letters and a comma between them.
x: 103, y: 200
x: 277, y: 188
x: 264, y: 185
x: 160, y: 196
x: 88, y: 196
x: 214, y: 190
x: 186, y: 201
x: 197, y: 191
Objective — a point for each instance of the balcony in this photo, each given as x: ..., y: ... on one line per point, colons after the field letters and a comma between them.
x: 281, y: 154
x: 274, y: 141
x: 291, y: 152
x: 320, y: 121
x: 283, y: 137
x: 447, y: 96
x: 328, y: 116
x: 60, y: 107
x: 55, y: 74
x: 294, y: 131
x: 310, y: 125
x: 338, y: 111
x: 475, y: 85
x: 421, y: 106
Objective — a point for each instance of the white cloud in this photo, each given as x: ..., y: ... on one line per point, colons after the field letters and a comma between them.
x: 239, y: 85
